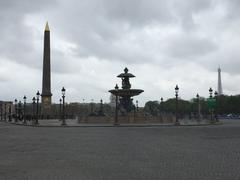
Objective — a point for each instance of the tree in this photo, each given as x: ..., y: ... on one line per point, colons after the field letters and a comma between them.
x: 152, y: 107
x: 225, y: 105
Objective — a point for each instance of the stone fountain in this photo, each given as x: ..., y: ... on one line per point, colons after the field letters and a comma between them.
x: 126, y: 93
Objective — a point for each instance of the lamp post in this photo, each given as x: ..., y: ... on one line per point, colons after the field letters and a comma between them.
x: 161, y: 109
x: 161, y: 99
x: 10, y: 113
x: 161, y: 104
x: 16, y: 114
x: 1, y: 110
x: 33, y: 106
x: 60, y: 108
x: 116, y: 108
x: 216, y: 108
x: 176, y: 94
x: 101, y: 107
x: 20, y: 110
x: 38, y: 95
x: 210, y: 92
x: 134, y: 112
x: 91, y: 106
x: 63, y: 107
x: 137, y: 104
x: 198, y: 106
x: 24, y: 109
x: 210, y: 97
x: 5, y: 111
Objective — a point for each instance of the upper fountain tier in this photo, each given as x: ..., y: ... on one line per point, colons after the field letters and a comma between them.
x: 125, y: 79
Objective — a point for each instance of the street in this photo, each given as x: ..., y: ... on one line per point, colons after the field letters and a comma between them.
x: 120, y: 153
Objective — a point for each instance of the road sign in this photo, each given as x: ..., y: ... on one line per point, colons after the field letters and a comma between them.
x: 211, y: 103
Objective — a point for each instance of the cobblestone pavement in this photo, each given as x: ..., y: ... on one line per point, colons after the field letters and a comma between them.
x: 120, y: 153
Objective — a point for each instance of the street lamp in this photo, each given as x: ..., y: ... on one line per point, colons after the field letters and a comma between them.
x: 33, y: 104
x: 20, y: 110
x: 24, y: 109
x: 5, y: 111
x: 101, y: 107
x: 63, y: 108
x: 116, y: 108
x: 216, y: 108
x: 10, y: 113
x: 176, y: 94
x: 161, y: 104
x: 60, y: 107
x: 137, y: 104
x: 210, y: 92
x: 91, y: 106
x: 135, y: 109
x: 38, y: 95
x: 16, y: 114
x: 210, y: 97
x: 198, y: 106
x: 1, y: 110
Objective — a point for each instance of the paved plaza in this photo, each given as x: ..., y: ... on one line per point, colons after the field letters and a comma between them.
x: 120, y: 153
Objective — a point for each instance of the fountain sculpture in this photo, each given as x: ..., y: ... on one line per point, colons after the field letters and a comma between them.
x: 126, y: 93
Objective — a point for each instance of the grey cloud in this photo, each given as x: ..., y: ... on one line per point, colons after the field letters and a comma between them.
x: 230, y: 61
x: 142, y: 12
x: 16, y: 38
x: 4, y: 79
x: 24, y: 6
x: 104, y: 23
x: 232, y: 9
x: 184, y: 11
x: 137, y: 12
x: 186, y: 47
x: 115, y: 31
x: 97, y: 27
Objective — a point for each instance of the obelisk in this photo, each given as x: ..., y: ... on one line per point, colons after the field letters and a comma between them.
x: 220, y: 91
x: 46, y: 78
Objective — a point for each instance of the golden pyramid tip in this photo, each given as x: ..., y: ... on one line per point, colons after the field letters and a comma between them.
x: 47, y: 27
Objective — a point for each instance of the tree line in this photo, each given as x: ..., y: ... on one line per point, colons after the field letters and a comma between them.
x: 224, y: 105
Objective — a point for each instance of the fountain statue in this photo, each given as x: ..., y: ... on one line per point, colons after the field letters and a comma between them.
x: 126, y: 93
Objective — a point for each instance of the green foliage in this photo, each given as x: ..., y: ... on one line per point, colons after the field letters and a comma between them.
x: 228, y: 104
x: 224, y: 105
x: 170, y: 105
x: 152, y: 107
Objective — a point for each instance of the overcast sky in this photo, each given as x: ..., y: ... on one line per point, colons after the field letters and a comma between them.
x: 162, y: 42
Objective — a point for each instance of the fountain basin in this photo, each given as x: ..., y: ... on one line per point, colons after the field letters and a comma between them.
x: 126, y: 92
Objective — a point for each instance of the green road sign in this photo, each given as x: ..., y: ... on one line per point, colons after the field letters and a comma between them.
x: 211, y: 103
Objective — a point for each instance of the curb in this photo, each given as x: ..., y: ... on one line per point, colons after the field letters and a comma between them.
x: 114, y: 126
